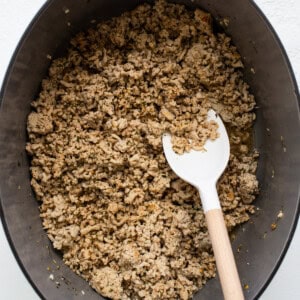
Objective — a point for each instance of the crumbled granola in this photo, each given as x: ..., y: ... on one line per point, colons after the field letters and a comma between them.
x: 109, y: 201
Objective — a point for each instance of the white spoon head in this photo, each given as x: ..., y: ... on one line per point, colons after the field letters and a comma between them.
x: 198, y: 167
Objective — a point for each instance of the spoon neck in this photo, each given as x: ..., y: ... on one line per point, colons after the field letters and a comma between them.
x: 209, y: 196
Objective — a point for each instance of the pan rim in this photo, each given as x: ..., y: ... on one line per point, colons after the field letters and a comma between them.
x: 291, y: 73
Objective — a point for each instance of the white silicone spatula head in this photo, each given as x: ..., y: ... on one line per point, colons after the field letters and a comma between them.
x: 196, y: 167
x: 202, y: 169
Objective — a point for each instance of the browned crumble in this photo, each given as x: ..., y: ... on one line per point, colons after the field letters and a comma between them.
x: 109, y: 200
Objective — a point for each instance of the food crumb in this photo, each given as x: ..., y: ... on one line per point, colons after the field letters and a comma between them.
x: 66, y: 11
x: 280, y: 214
x: 273, y: 173
x: 109, y: 200
x: 282, y: 143
x: 252, y: 70
x: 232, y: 237
x: 51, y: 277
x: 49, y: 56
x: 273, y: 226
x: 82, y: 292
x: 224, y: 22
x: 246, y: 286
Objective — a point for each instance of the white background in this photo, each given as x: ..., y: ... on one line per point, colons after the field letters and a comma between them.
x: 284, y: 15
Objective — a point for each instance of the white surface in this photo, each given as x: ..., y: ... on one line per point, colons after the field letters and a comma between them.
x: 283, y: 15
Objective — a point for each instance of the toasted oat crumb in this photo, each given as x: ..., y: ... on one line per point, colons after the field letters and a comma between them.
x: 109, y: 201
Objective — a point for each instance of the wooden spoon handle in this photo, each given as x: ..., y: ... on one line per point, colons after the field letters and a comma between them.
x: 229, y: 277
